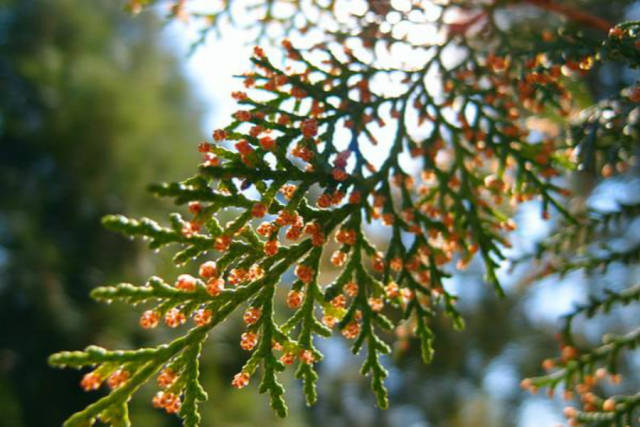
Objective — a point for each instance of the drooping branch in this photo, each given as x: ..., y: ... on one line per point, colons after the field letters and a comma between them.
x: 456, y: 156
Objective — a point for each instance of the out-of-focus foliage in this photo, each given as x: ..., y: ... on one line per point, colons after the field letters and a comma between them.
x: 92, y: 109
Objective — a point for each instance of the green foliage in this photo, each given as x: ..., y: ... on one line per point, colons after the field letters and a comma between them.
x: 311, y: 126
x: 74, y: 77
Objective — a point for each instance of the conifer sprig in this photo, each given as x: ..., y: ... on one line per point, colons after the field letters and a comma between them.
x: 298, y: 156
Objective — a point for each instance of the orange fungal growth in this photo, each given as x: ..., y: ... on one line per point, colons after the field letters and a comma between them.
x: 294, y: 299
x: 91, y: 381
x: 240, y: 380
x: 266, y: 229
x: 288, y: 190
x: 306, y: 356
x: 378, y: 263
x: 149, y: 319
x: 195, y: 207
x: 202, y: 317
x: 304, y: 273
x: 392, y: 290
x: 237, y: 275
x: 324, y: 201
x: 118, y: 378
x: 271, y: 247
x: 174, y: 318
x: 339, y: 301
x: 309, y: 128
x: 252, y: 315
x: 208, y: 270
x: 222, y: 243
x: 288, y: 358
x: 329, y: 321
x: 609, y: 405
x: 351, y: 330
x: 166, y: 378
x: 219, y: 135
x: 258, y: 210
x: 376, y: 304
x: 215, y: 286
x: 168, y: 401
x: 186, y: 283
x: 338, y: 258
x: 248, y: 340
x: 346, y: 236
x: 351, y: 289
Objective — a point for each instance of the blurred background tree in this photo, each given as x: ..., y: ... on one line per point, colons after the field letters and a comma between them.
x: 93, y: 108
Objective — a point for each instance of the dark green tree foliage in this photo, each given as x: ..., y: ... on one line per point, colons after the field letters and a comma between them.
x: 487, y: 115
x: 91, y: 110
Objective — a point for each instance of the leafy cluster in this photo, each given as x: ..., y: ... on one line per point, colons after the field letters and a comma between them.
x: 473, y: 127
x: 581, y: 369
x: 605, y: 135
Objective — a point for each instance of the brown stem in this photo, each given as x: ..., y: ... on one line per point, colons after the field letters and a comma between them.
x: 573, y: 14
x: 462, y: 26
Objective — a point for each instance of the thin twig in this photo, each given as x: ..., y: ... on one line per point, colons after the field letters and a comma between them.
x: 573, y: 14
